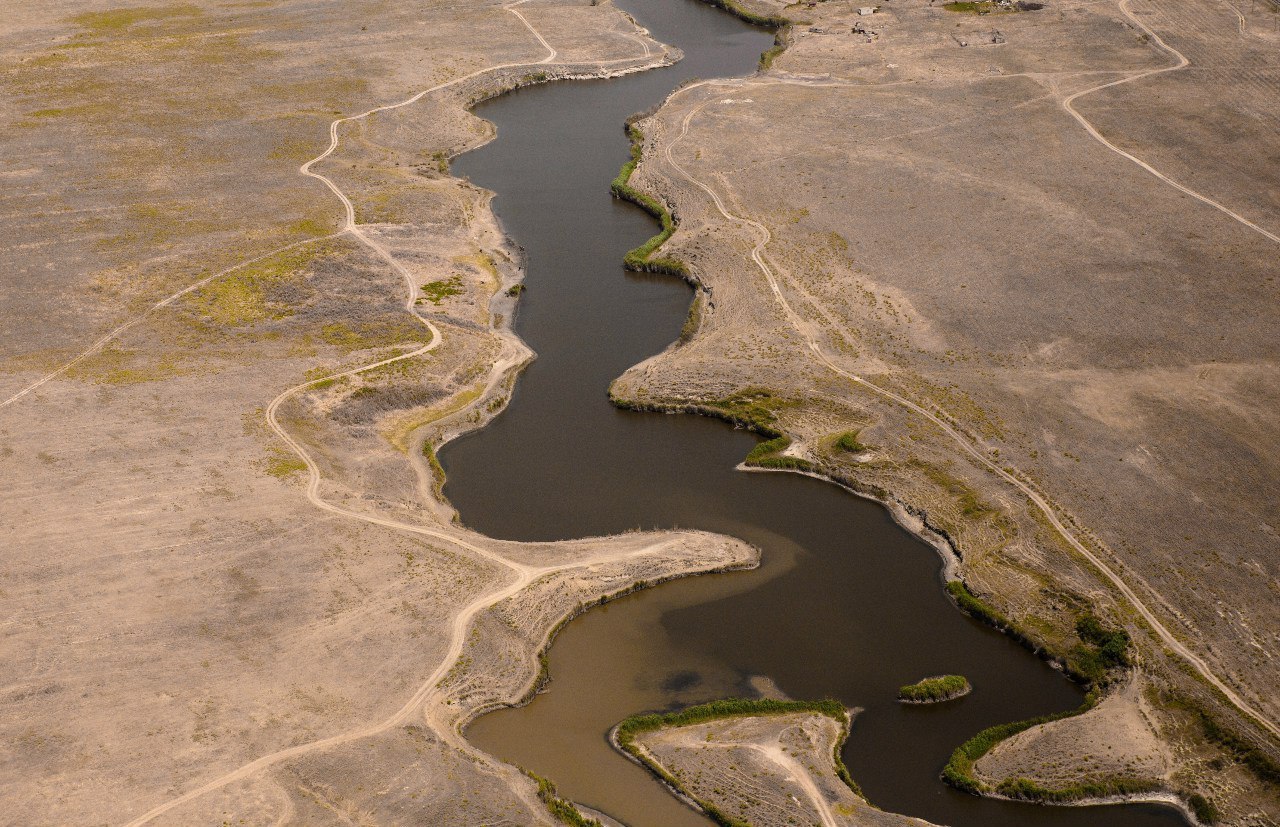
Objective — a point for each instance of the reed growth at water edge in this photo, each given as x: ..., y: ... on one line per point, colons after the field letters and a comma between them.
x: 1100, y: 656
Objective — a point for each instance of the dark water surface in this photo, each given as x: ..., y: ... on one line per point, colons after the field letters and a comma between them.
x: 846, y: 604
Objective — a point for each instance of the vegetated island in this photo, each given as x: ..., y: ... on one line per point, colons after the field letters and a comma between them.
x: 935, y: 690
x: 761, y: 762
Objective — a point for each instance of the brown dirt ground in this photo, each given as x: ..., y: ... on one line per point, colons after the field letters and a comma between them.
x: 768, y: 771
x: 178, y: 616
x: 941, y: 226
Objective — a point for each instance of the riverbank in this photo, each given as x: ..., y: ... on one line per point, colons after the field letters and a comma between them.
x: 845, y: 311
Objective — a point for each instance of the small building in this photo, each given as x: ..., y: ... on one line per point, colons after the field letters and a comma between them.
x: 865, y: 10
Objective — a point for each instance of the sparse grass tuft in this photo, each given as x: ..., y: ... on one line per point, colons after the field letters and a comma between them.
x: 117, y: 20
x: 282, y: 463
x: 438, y: 291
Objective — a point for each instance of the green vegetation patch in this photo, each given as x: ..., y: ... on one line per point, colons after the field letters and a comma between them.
x: 117, y: 20
x: 692, y: 321
x: 627, y: 731
x: 752, y: 407
x: 768, y: 454
x: 1205, y: 811
x: 959, y: 769
x: 935, y: 690
x: 282, y: 463
x: 848, y: 442
x: 438, y: 291
x: 767, y: 21
x: 970, y: 504
x: 437, y: 470
x: 1257, y: 761
x: 1024, y: 789
x: 315, y: 226
x: 740, y: 11
x: 639, y: 258
x: 980, y: 7
x: 1100, y: 651
x: 372, y: 334
x: 768, y: 56
x: 114, y: 365
x: 246, y: 296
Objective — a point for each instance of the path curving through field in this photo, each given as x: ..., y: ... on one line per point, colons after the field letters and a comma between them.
x: 350, y: 227
x: 522, y: 574
x: 1180, y: 62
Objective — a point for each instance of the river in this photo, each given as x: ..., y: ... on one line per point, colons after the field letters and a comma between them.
x: 846, y: 603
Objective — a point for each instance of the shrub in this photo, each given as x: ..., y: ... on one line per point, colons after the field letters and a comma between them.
x: 1258, y: 762
x: 848, y: 441
x: 1025, y: 789
x: 1203, y: 809
x: 932, y: 690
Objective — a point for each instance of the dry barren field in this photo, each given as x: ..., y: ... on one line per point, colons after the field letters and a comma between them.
x: 243, y: 302
x: 1014, y: 270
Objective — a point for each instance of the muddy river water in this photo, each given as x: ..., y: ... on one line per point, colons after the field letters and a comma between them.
x: 846, y: 603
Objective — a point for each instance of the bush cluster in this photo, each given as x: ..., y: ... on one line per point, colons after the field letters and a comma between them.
x: 932, y: 690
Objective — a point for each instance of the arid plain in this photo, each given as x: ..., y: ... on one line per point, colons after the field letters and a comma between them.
x: 1013, y: 270
x: 1010, y: 270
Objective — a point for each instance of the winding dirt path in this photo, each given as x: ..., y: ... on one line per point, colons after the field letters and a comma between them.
x: 123, y: 328
x: 349, y: 224
x: 522, y: 574
x: 763, y: 237
x: 797, y: 773
x: 1181, y: 62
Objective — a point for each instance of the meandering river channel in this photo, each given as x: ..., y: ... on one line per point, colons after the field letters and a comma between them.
x: 846, y: 603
